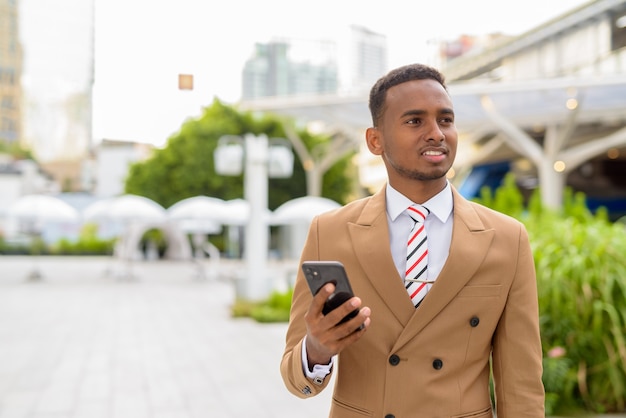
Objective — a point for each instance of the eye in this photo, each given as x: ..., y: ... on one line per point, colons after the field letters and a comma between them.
x: 414, y: 121
x: 446, y: 120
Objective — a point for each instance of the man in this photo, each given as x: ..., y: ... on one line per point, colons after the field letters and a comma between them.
x: 405, y: 354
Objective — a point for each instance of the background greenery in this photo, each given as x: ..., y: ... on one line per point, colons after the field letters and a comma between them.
x: 185, y: 167
x: 88, y: 243
x: 581, y: 279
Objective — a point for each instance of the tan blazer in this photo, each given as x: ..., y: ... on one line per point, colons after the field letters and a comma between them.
x: 434, y: 361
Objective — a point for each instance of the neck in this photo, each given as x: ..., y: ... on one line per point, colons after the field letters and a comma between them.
x: 419, y: 191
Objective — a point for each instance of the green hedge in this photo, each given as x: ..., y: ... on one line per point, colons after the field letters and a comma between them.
x: 87, y: 243
x: 274, y: 309
x: 580, y: 260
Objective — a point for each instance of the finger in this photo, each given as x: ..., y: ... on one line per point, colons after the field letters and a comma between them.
x: 354, y: 335
x: 358, y: 323
x: 317, y: 305
x: 347, y: 308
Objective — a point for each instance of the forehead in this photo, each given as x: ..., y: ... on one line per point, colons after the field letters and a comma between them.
x: 418, y: 94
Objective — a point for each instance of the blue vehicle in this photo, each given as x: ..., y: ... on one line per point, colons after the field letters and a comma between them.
x: 602, y: 180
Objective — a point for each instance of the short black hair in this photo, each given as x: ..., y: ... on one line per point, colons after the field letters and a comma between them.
x: 400, y: 75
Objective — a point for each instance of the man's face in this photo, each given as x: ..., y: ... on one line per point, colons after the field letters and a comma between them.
x: 416, y: 136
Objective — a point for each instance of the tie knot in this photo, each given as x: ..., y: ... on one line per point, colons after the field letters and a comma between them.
x: 418, y: 212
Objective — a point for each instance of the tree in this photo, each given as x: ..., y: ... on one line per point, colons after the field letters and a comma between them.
x: 15, y: 150
x: 321, y: 157
x: 185, y: 166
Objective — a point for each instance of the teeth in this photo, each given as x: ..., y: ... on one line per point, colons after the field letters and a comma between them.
x: 433, y: 153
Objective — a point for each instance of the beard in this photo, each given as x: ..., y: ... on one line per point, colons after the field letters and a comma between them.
x: 414, y: 174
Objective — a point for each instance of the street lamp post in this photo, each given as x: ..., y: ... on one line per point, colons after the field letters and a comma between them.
x: 263, y: 159
x: 255, y: 285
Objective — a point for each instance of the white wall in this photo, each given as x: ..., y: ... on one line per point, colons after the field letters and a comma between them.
x: 112, y: 164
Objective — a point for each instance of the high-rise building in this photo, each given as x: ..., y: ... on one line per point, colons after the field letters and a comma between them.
x: 58, y: 70
x: 290, y: 67
x: 353, y: 61
x: 365, y: 59
x: 10, y: 73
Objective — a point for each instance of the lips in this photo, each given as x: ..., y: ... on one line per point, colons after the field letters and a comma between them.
x: 434, y: 155
x: 433, y: 152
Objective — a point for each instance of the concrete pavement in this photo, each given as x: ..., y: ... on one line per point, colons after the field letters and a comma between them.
x: 86, y: 342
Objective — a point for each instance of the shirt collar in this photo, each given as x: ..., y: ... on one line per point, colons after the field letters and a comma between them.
x: 440, y: 205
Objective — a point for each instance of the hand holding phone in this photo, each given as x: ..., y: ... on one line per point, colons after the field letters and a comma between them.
x: 318, y: 273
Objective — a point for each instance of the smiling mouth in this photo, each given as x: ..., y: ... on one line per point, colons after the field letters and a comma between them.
x: 433, y: 153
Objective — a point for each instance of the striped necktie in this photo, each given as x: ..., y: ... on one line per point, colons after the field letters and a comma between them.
x: 415, y: 279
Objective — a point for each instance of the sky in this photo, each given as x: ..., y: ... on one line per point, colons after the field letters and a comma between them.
x: 142, y: 45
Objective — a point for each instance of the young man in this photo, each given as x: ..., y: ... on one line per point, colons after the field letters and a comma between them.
x: 431, y: 316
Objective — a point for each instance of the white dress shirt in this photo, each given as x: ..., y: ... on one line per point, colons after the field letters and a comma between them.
x: 438, y: 226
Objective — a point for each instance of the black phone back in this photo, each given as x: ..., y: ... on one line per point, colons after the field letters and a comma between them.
x: 318, y: 273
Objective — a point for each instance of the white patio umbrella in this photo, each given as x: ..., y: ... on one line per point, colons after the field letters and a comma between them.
x: 294, y: 217
x: 236, y: 218
x: 96, y: 210
x: 302, y: 210
x: 40, y: 208
x: 202, y: 213
x: 33, y: 211
x: 238, y: 213
x: 125, y: 208
x: 128, y: 213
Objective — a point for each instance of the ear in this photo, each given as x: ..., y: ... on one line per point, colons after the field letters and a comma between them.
x: 374, y: 141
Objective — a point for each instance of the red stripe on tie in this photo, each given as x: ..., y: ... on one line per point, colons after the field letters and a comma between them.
x: 417, y: 262
x: 420, y: 287
x: 419, y: 231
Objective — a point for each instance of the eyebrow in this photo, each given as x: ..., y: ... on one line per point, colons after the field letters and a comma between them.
x: 419, y: 112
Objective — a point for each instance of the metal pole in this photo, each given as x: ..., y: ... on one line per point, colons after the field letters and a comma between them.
x: 255, y: 284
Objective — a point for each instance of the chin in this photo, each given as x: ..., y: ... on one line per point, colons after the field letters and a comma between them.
x: 421, y: 176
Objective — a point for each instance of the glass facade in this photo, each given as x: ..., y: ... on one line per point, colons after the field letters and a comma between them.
x: 57, y: 77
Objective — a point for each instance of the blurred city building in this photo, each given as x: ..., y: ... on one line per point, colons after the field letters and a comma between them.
x: 10, y: 73
x: 57, y: 77
x: 281, y: 68
x: 363, y: 58
x: 466, y: 44
x: 20, y: 178
x: 296, y: 67
x: 110, y: 164
x: 586, y: 41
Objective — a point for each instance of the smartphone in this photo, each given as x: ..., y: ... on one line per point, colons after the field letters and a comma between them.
x: 318, y: 273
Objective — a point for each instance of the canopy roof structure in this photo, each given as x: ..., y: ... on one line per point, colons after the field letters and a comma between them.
x: 526, y: 104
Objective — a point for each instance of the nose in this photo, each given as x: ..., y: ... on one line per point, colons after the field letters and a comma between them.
x: 435, y: 133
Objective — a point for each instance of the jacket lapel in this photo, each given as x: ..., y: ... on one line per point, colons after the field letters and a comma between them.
x: 469, y: 245
x: 370, y: 239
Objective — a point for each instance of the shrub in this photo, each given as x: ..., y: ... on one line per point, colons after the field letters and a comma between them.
x: 88, y: 243
x: 581, y: 276
x: 581, y: 280
x: 275, y: 309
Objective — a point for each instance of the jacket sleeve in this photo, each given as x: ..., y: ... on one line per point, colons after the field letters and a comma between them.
x: 291, y: 368
x: 517, y: 353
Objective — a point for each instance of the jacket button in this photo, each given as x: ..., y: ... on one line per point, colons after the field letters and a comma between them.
x: 394, y: 360
x: 474, y: 321
x: 437, y: 364
x: 390, y: 416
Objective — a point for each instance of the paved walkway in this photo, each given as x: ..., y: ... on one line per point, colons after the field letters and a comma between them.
x: 86, y: 343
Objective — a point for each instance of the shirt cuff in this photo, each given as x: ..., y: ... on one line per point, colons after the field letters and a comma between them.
x: 320, y: 371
